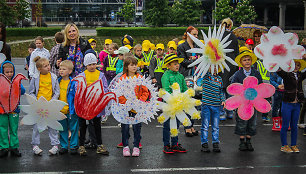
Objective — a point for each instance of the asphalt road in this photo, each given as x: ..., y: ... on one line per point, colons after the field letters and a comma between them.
x: 266, y: 158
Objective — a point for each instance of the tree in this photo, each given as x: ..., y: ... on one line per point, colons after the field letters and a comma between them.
x: 187, y: 12
x: 7, y: 13
x: 128, y: 11
x: 157, y: 12
x: 22, y: 10
x: 245, y: 12
x: 223, y: 10
x: 38, y: 12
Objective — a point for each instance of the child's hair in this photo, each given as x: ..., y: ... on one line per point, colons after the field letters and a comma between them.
x: 127, y: 61
x: 59, y: 37
x: 39, y: 38
x: 39, y: 61
x: 32, y: 45
x: 176, y: 40
x: 7, y: 65
x: 189, y: 29
x: 136, y: 47
x: 68, y: 64
x: 258, y: 32
x: 303, y: 41
x: 114, y: 46
x: 227, y: 23
x: 127, y: 55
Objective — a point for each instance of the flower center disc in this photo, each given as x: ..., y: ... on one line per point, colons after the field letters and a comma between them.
x: 250, y: 94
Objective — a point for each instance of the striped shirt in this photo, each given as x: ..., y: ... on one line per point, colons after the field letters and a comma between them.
x: 212, y: 90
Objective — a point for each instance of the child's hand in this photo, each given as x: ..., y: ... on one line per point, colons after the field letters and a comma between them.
x: 280, y: 86
x: 223, y: 104
x: 154, y: 81
x: 58, y: 62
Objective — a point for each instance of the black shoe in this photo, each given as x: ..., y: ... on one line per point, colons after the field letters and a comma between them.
x: 188, y: 134
x: 87, y: 141
x: 178, y: 148
x: 90, y: 145
x: 195, y: 133
x: 243, y: 146
x: 167, y: 150
x: 205, y: 148
x: 73, y: 151
x: 63, y: 151
x: 249, y: 146
x: 216, y: 147
x: 15, y: 152
x: 3, y: 153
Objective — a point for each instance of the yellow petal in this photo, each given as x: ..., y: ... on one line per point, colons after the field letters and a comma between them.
x: 198, y: 102
x: 161, y: 92
x: 161, y: 119
x: 175, y: 86
x: 196, y: 115
x: 174, y: 132
x: 186, y: 122
x: 190, y: 92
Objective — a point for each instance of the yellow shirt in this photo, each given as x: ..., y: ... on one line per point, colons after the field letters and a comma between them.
x: 63, y: 94
x: 91, y: 76
x: 45, y: 87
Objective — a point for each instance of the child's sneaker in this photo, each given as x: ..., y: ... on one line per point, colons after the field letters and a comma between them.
x: 15, y: 152
x: 53, y: 150
x: 63, y: 151
x: 126, y: 151
x: 295, y: 149
x: 178, y: 148
x: 216, y: 147
x: 37, y: 150
x: 243, y: 146
x: 286, y: 149
x: 205, y: 148
x: 249, y: 146
x: 120, y: 145
x: 167, y: 150
x: 3, y: 153
x: 82, y: 151
x: 102, y: 150
x: 136, y: 152
x: 222, y: 117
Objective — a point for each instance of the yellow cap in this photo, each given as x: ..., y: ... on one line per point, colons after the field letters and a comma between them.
x: 129, y: 46
x: 160, y: 46
x: 302, y: 62
x: 152, y: 46
x: 172, y: 44
x: 108, y: 41
x: 145, y: 41
x: 92, y: 40
x: 146, y: 46
x: 180, y: 42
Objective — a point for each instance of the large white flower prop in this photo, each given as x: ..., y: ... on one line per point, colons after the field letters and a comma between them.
x: 2, y: 56
x: 213, y: 52
x: 43, y: 113
x: 145, y: 109
x: 278, y: 50
x: 177, y: 104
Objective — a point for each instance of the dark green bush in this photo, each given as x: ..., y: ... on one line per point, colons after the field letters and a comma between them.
x: 36, y: 31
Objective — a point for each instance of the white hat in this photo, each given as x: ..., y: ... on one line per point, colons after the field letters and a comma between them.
x: 90, y: 59
x: 122, y: 50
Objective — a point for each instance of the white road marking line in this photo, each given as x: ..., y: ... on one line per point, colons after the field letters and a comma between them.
x: 160, y: 126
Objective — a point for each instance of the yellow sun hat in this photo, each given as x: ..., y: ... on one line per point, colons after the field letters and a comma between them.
x: 302, y: 62
x: 152, y: 46
x: 180, y: 42
x: 108, y: 41
x: 91, y: 40
x: 160, y: 46
x: 146, y: 41
x: 172, y: 44
x: 146, y: 46
x: 244, y: 51
x: 170, y: 58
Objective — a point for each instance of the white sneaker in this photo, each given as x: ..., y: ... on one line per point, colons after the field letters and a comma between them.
x: 301, y: 126
x: 37, y: 150
x: 53, y: 150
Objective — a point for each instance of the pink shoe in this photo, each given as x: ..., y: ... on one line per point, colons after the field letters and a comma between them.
x: 126, y: 151
x: 136, y: 151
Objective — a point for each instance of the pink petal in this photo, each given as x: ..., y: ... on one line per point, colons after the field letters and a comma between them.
x: 250, y: 82
x: 265, y: 90
x: 233, y: 102
x: 235, y: 89
x: 246, y: 111
x: 261, y: 105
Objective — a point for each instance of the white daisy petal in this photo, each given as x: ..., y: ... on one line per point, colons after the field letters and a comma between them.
x: 204, y: 36
x: 226, y: 44
x: 196, y: 41
x: 225, y: 39
x: 209, y: 33
x: 212, y: 69
x: 222, y: 69
x: 205, y: 70
x: 228, y: 50
x: 230, y: 60
x: 214, y: 32
x: 199, y: 60
x: 218, y: 33
x: 226, y: 66
x: 195, y: 50
x: 222, y: 32
x: 201, y: 66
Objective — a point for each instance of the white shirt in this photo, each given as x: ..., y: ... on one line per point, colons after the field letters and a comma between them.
x: 41, y: 52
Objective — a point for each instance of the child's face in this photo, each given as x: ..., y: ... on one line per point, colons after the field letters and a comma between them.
x: 45, y: 69
x: 174, y: 66
x: 138, y: 51
x: 246, y: 61
x: 93, y: 45
x: 64, y: 71
x: 132, y: 68
x: 106, y: 47
x: 171, y: 50
x: 39, y: 44
x: 111, y: 50
x: 159, y: 52
x: 250, y: 47
x: 91, y: 67
x: 8, y: 72
x: 297, y: 66
x: 30, y: 50
x: 120, y: 56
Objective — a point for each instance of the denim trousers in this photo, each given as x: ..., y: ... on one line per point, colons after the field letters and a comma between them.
x: 290, y: 115
x: 125, y: 131
x: 210, y: 113
x: 166, y: 133
x: 71, y: 124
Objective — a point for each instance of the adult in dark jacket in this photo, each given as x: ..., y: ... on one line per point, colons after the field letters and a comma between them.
x: 6, y: 49
x: 73, y: 48
x: 188, y: 57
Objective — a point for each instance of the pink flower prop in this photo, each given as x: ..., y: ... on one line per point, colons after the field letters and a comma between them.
x: 249, y: 95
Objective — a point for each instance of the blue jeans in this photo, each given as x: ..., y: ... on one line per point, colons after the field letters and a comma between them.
x: 71, y: 124
x: 166, y: 133
x: 210, y: 113
x: 276, y: 103
x: 125, y: 130
x: 290, y: 114
x: 224, y: 111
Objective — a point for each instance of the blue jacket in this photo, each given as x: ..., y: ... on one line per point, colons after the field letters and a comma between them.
x: 71, y: 90
x: 17, y: 110
x: 239, y: 76
x: 275, y: 80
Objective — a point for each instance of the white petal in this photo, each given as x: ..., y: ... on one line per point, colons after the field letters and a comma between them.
x: 204, y: 36
x: 230, y: 60
x: 201, y: 66
x: 195, y: 50
x: 204, y: 70
x: 226, y: 44
x: 214, y: 32
x: 212, y: 69
x: 222, y: 69
x: 228, y: 50
x: 56, y: 105
x: 225, y: 65
x: 26, y: 109
x: 225, y: 39
x: 218, y: 33
x: 182, y: 116
x: 173, y: 124
x: 199, y: 60
x: 30, y: 99
x: 55, y: 125
x: 29, y: 120
x: 222, y: 32
x: 196, y: 41
x: 209, y: 32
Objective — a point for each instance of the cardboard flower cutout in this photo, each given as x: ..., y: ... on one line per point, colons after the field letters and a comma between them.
x: 90, y: 100
x: 213, y: 52
x: 145, y: 109
x: 249, y: 95
x: 177, y: 104
x: 43, y: 113
x: 278, y: 50
x: 10, y: 93
x: 2, y: 56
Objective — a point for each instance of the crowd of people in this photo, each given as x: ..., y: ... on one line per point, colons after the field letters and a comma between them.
x: 51, y: 75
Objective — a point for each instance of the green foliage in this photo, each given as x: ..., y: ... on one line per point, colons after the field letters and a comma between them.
x: 157, y: 12
x: 42, y: 31
x: 22, y: 9
x: 7, y: 13
x: 245, y: 12
x: 128, y: 11
x: 186, y: 12
x: 223, y: 10
x: 143, y: 31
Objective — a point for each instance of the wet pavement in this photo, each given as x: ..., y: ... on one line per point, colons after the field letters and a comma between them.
x: 266, y: 158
